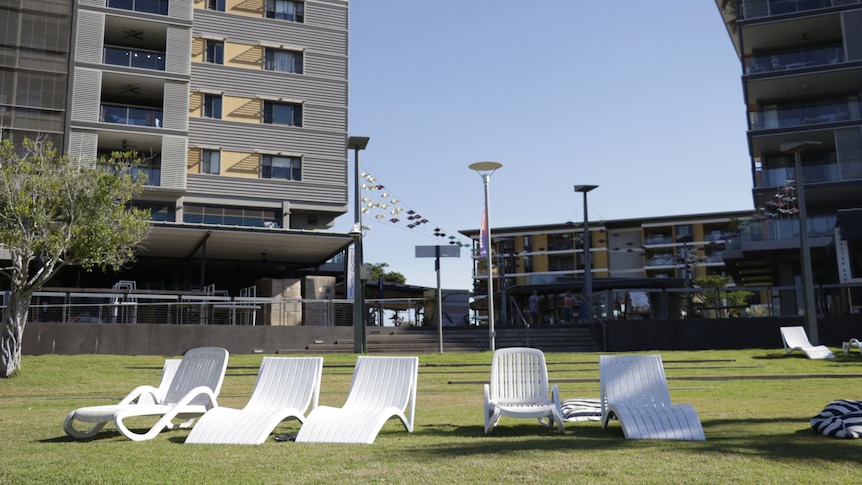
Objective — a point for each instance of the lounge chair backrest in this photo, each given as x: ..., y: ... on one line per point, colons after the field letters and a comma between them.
x: 287, y: 382
x: 168, y: 372
x: 203, y: 366
x: 519, y: 375
x: 381, y: 382
x: 795, y: 337
x: 634, y: 380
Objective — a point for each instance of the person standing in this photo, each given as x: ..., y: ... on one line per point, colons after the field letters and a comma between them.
x: 533, y: 305
x: 567, y: 308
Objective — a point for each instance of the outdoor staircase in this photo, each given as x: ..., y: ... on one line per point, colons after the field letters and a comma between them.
x: 397, y: 340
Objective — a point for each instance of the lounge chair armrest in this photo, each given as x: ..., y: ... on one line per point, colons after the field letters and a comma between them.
x: 140, y: 391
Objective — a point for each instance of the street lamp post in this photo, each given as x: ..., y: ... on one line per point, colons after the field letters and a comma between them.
x: 807, y: 276
x: 588, y: 271
x: 485, y: 169
x: 357, y: 143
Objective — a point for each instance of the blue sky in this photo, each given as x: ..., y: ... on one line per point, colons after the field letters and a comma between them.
x: 641, y: 98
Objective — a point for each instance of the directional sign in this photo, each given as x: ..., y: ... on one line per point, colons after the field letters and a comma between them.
x: 431, y: 251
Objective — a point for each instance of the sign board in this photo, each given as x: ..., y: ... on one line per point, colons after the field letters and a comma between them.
x: 431, y: 251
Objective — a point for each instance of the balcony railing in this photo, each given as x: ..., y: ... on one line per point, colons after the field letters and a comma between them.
x: 117, y: 56
x: 779, y: 177
x: 783, y: 61
x: 751, y: 9
x: 812, y: 114
x: 159, y: 7
x: 127, y: 115
x: 154, y: 175
x: 784, y: 229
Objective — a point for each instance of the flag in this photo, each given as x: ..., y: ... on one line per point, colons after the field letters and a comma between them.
x: 483, y: 235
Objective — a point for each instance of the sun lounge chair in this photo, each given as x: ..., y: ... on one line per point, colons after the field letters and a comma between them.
x: 382, y: 388
x: 519, y: 389
x: 192, y: 392
x: 168, y: 372
x: 634, y: 391
x: 285, y: 388
x: 795, y: 338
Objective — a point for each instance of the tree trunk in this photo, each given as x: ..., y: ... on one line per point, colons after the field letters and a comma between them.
x: 14, y: 319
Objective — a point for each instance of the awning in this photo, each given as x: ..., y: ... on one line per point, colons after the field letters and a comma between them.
x: 296, y: 247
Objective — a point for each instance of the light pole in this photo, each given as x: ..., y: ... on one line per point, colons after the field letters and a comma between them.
x: 588, y: 271
x: 807, y: 277
x: 485, y: 169
x: 357, y: 143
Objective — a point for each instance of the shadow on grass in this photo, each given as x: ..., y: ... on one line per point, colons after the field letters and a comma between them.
x: 801, y: 444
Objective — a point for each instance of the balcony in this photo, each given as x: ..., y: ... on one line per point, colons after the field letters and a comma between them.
x: 779, y: 177
x: 784, y: 230
x: 118, y: 56
x: 159, y: 7
x: 750, y: 9
x: 784, y: 116
x: 128, y: 115
x: 784, y: 61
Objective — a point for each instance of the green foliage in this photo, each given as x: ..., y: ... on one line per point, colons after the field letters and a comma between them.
x: 378, y: 269
x: 57, y: 211
x: 723, y: 302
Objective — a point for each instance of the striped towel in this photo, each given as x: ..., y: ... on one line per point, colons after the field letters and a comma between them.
x: 840, y: 419
x: 581, y: 409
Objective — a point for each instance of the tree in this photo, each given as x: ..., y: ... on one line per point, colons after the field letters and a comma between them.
x: 57, y: 211
x: 379, y: 269
x: 732, y: 301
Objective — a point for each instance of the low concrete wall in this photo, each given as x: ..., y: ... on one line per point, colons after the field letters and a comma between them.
x: 729, y: 333
x: 145, y: 339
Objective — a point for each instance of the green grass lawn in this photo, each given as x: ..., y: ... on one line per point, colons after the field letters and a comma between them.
x: 755, y: 406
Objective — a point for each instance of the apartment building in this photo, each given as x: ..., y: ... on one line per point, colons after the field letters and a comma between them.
x: 647, y: 258
x: 238, y: 108
x: 801, y: 64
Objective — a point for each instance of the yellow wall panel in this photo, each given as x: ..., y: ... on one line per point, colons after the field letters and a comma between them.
x: 240, y: 164
x: 194, y: 160
x: 196, y: 105
x: 247, y: 8
x: 246, y: 110
x: 243, y: 55
x: 198, y: 48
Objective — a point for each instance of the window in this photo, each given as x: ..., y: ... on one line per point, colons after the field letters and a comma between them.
x: 282, y: 113
x: 210, y: 161
x: 149, y: 6
x: 212, y: 106
x: 284, y: 61
x: 230, y: 216
x: 216, y: 5
x: 285, y: 10
x: 214, y: 51
x: 289, y: 168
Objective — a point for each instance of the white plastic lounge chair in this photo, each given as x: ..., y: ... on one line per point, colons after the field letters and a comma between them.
x: 285, y: 388
x: 382, y: 388
x: 634, y: 391
x: 519, y: 389
x: 168, y: 372
x: 192, y: 392
x: 795, y: 338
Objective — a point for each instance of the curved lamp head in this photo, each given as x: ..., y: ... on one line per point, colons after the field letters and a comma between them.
x: 485, y: 167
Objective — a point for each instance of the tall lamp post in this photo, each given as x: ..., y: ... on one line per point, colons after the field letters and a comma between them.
x: 485, y: 169
x: 357, y: 143
x: 807, y: 276
x: 588, y: 271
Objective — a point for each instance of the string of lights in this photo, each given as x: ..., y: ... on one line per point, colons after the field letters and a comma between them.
x: 381, y: 206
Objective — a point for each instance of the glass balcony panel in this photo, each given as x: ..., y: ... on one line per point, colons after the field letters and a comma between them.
x: 134, y: 58
x: 758, y: 8
x: 815, y: 113
x: 782, y: 61
x: 131, y: 116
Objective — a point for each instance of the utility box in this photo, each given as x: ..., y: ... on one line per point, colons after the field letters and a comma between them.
x: 319, y: 307
x: 287, y: 309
